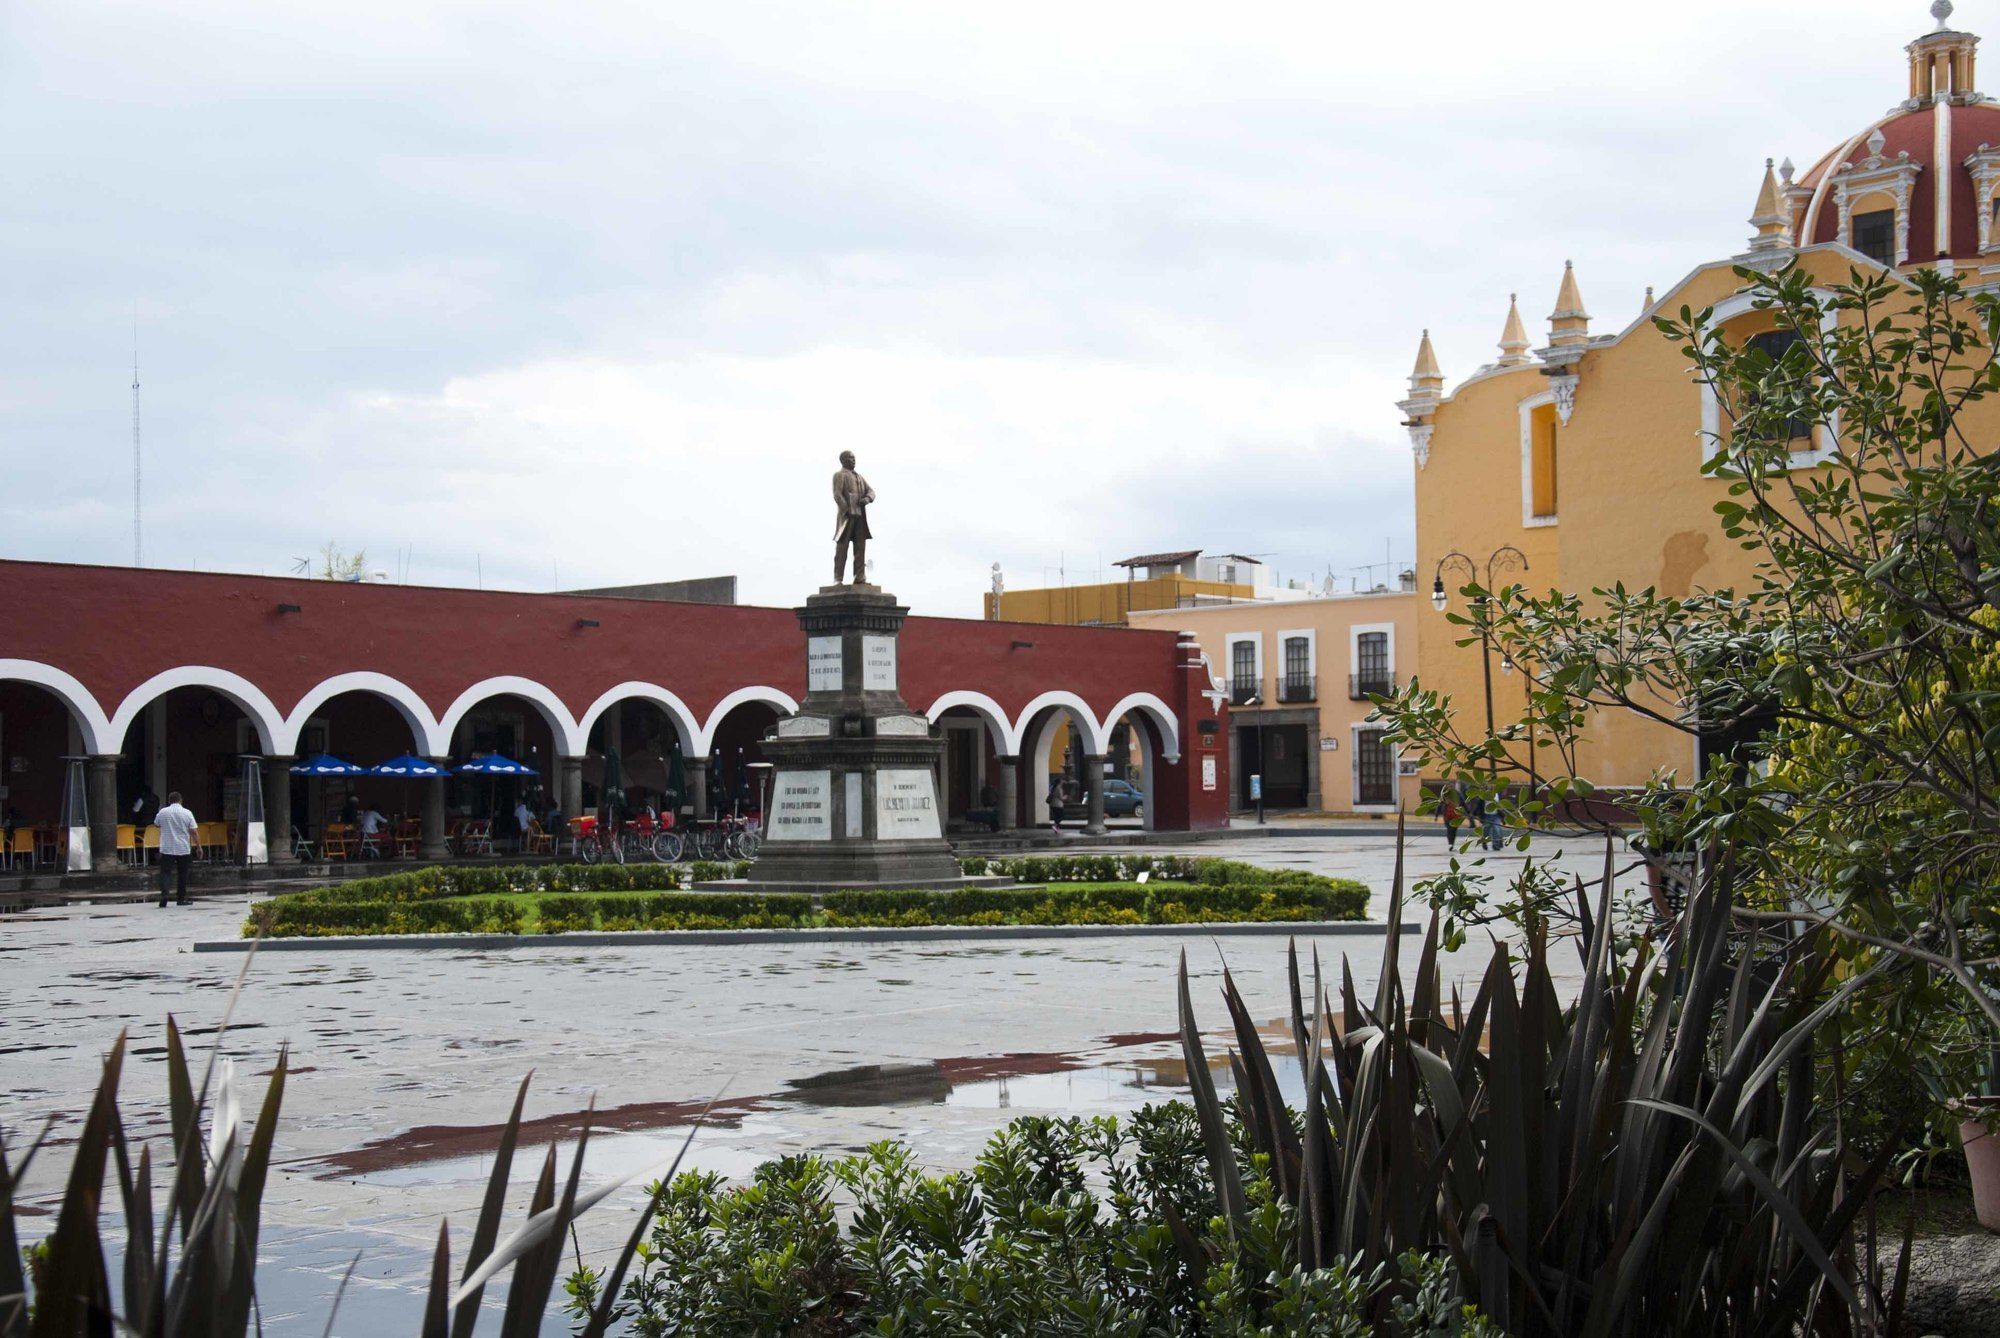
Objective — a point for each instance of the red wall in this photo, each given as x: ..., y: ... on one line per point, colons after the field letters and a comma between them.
x: 115, y: 627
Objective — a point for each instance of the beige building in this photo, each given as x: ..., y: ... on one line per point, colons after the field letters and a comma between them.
x: 1578, y: 466
x: 1185, y: 578
x: 1299, y: 674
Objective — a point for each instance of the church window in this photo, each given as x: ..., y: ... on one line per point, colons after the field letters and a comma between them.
x: 1875, y: 235
x: 1542, y: 463
x: 1774, y: 344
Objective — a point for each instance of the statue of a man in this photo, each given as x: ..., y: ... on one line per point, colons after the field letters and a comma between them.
x: 851, y: 496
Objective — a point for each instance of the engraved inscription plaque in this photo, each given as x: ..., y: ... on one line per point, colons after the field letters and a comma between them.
x: 878, y: 664
x: 802, y: 807
x: 823, y: 664
x: 854, y: 813
x: 905, y: 806
x: 903, y: 726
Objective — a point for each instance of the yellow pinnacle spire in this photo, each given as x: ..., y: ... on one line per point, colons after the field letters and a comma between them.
x: 1426, y: 378
x: 1772, y: 219
x: 1569, y: 323
x: 1514, y: 343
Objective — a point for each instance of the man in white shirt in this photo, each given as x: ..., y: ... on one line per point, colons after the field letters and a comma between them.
x: 524, y: 818
x: 177, y: 827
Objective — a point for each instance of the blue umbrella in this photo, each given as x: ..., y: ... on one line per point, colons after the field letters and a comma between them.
x: 409, y: 766
x: 324, y: 764
x: 495, y: 765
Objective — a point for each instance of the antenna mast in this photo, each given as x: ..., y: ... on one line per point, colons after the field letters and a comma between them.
x: 135, y: 442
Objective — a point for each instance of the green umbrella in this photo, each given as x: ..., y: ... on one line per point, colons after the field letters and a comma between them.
x: 677, y: 780
x: 614, y: 781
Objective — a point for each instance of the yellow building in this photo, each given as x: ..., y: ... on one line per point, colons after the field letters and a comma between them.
x: 1179, y: 580
x: 1299, y: 674
x: 1577, y: 465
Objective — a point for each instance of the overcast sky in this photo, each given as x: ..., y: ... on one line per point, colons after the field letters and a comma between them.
x: 591, y: 293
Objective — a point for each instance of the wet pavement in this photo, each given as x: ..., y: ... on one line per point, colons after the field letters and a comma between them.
x: 404, y: 1063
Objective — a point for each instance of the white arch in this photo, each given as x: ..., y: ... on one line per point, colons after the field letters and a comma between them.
x: 769, y: 696
x: 1094, y: 733
x: 248, y: 697
x: 676, y: 709
x: 90, y: 717
x: 1154, y: 710
x: 987, y: 709
x: 569, y: 740
x: 416, y: 713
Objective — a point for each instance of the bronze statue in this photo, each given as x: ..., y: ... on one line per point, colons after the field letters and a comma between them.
x: 851, y: 496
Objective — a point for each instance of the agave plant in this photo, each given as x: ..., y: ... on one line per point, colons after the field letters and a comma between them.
x: 193, y: 1272
x: 1647, y: 1159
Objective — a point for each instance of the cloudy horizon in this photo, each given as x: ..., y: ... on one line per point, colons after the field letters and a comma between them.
x: 593, y: 295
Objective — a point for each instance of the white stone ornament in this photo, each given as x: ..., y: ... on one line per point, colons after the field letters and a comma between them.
x: 1564, y: 390
x: 1420, y: 442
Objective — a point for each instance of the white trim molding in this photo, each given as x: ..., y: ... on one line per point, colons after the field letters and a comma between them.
x: 569, y: 740
x: 1079, y: 710
x: 1354, y: 634
x: 768, y: 696
x: 416, y: 712
x: 1526, y: 411
x: 984, y: 707
x: 1826, y: 437
x: 1229, y: 644
x: 248, y: 697
x: 1355, y: 731
x: 91, y: 722
x: 676, y: 709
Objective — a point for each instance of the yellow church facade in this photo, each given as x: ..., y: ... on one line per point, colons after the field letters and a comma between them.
x: 1576, y: 465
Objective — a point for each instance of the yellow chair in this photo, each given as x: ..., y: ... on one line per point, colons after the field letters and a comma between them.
x: 23, y: 848
x: 149, y: 844
x: 337, y: 841
x: 536, y: 841
x: 128, y: 843
x: 211, y: 839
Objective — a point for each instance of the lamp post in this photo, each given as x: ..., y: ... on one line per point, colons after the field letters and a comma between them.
x: 1499, y: 560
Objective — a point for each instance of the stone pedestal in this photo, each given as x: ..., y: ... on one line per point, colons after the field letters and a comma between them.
x: 854, y: 790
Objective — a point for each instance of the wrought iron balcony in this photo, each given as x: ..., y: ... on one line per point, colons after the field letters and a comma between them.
x: 1242, y: 692
x: 1370, y: 683
x: 1298, y: 688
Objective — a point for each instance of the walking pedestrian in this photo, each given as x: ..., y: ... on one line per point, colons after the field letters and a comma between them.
x: 1055, y: 803
x: 1489, y: 822
x: 1451, y: 811
x: 176, y: 826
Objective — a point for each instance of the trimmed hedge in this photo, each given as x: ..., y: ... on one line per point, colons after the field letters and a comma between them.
x: 571, y: 898
x: 1162, y: 902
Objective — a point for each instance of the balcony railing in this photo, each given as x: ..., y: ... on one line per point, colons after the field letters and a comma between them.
x: 1243, y: 692
x: 1371, y: 683
x: 1298, y: 688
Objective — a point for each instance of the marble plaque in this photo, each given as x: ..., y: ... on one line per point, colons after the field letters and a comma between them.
x: 802, y: 806
x: 804, y: 727
x: 878, y: 664
x: 823, y: 664
x: 855, y: 812
x: 906, y: 805
x: 903, y: 726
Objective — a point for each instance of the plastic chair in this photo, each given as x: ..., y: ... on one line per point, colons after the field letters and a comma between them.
x: 536, y: 841
x: 302, y: 846
x: 23, y: 848
x: 149, y: 840
x: 128, y: 843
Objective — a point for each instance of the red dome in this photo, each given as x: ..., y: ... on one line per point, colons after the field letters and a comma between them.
x: 1915, y: 131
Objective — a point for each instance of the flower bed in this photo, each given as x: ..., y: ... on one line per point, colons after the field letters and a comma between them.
x: 559, y: 899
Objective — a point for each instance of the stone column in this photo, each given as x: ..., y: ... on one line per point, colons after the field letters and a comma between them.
x: 1093, y: 788
x: 1010, y: 792
x: 102, y: 795
x: 569, y: 793
x: 278, y: 809
x: 431, y: 831
x: 697, y: 779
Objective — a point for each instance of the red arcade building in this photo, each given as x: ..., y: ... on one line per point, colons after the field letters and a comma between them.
x: 165, y: 680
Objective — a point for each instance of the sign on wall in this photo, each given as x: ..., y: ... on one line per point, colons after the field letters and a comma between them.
x: 822, y: 664
x: 878, y: 664
x: 802, y: 806
x: 1208, y: 773
x: 905, y: 805
x: 852, y: 827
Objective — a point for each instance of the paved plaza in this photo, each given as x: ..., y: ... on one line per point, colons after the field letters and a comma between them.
x: 404, y: 1060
